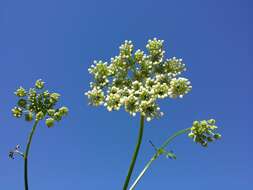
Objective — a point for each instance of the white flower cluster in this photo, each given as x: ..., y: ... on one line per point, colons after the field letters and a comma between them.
x: 136, y: 80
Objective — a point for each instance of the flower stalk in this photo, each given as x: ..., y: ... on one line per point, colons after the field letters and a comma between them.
x: 136, y: 151
x: 27, y: 153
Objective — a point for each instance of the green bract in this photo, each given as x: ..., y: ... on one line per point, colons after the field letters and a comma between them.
x: 38, y: 103
x: 136, y: 80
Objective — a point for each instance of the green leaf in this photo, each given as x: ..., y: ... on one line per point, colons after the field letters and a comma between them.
x: 171, y: 155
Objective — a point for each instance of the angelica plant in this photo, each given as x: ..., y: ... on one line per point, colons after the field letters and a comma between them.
x: 35, y: 105
x: 135, y: 80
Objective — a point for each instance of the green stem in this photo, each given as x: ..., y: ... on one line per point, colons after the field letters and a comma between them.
x: 171, y: 138
x: 136, y: 151
x: 143, y: 171
x: 26, y: 154
x: 157, y: 154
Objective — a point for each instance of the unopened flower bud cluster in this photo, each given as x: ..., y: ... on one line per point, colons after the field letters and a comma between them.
x: 204, y: 132
x: 136, y: 80
x: 38, y: 104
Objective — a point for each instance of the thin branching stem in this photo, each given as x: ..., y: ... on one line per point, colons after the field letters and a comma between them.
x: 157, y: 154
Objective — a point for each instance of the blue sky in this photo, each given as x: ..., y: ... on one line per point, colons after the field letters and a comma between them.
x: 91, y: 148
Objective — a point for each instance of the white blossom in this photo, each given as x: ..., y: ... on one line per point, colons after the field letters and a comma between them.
x: 135, y: 80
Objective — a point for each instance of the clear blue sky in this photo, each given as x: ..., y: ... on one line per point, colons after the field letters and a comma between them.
x: 91, y: 149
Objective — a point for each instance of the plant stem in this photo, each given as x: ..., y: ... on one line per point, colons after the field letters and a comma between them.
x: 157, y: 154
x: 136, y: 151
x: 143, y: 171
x: 172, y: 137
x: 26, y: 154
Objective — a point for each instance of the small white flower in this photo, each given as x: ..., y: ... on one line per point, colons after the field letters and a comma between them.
x: 179, y: 87
x: 96, y: 96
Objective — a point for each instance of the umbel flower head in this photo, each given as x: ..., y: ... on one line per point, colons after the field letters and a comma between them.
x: 38, y: 104
x: 136, y: 80
x: 204, y: 132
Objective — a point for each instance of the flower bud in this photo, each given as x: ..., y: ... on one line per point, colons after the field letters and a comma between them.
x: 32, y: 94
x: 203, y: 123
x: 17, y: 112
x: 51, y: 112
x: 195, y: 123
x: 50, y: 122
x: 139, y: 55
x: 191, y: 135
x: 209, y: 139
x: 40, y: 115
x: 29, y: 116
x: 22, y: 103
x: 63, y: 111
x: 39, y: 84
x: 20, y: 92
x: 57, y: 116
x: 54, y: 97
x: 46, y: 94
x: 217, y: 136
x: 211, y: 121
